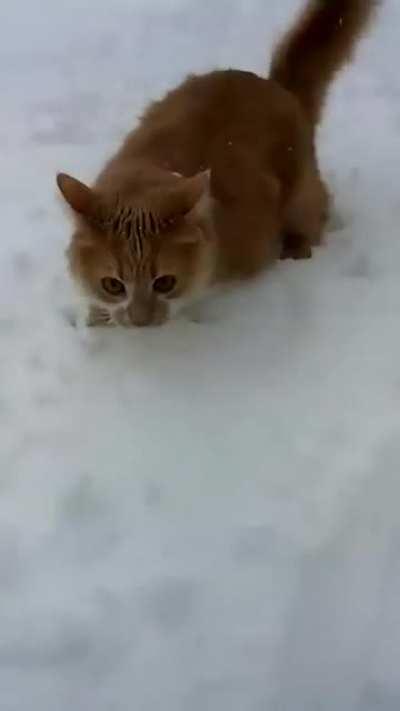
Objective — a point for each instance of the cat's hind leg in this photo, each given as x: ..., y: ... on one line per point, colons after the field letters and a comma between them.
x: 306, y: 217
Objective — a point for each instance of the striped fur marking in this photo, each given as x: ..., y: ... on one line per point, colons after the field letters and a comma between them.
x: 135, y: 225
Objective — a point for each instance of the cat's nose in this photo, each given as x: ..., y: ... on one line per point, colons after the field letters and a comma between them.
x: 124, y: 318
x: 140, y: 311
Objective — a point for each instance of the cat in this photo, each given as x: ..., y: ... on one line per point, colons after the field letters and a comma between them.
x: 219, y: 180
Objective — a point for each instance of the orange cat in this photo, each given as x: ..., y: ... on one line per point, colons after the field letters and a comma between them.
x: 219, y: 180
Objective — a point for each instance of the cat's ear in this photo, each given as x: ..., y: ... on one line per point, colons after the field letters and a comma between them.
x: 182, y: 199
x: 78, y: 196
x: 195, y: 189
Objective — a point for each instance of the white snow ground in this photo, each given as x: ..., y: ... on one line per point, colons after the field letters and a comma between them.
x: 203, y: 517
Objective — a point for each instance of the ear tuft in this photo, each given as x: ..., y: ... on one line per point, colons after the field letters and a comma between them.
x: 76, y: 194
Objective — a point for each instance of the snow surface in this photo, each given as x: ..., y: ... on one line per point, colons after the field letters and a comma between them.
x: 203, y: 517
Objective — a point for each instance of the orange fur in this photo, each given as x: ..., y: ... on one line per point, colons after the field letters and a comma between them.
x: 321, y: 42
x: 219, y: 179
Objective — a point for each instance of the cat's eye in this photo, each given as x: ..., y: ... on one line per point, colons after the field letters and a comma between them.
x: 164, y: 284
x: 112, y: 286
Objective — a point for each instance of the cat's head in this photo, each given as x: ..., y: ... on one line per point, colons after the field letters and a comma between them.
x: 138, y: 263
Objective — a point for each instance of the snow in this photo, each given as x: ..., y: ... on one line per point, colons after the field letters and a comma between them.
x: 203, y: 517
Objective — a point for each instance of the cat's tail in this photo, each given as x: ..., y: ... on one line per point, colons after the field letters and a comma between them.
x: 315, y: 49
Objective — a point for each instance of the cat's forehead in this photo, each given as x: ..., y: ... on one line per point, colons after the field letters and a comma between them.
x: 136, y: 227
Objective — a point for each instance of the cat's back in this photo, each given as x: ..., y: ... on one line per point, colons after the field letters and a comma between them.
x: 223, y: 94
x: 229, y: 103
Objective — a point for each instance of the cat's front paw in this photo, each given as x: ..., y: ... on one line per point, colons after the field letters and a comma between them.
x: 97, y: 316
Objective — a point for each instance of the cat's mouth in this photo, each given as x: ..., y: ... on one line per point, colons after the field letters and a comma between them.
x: 157, y: 315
